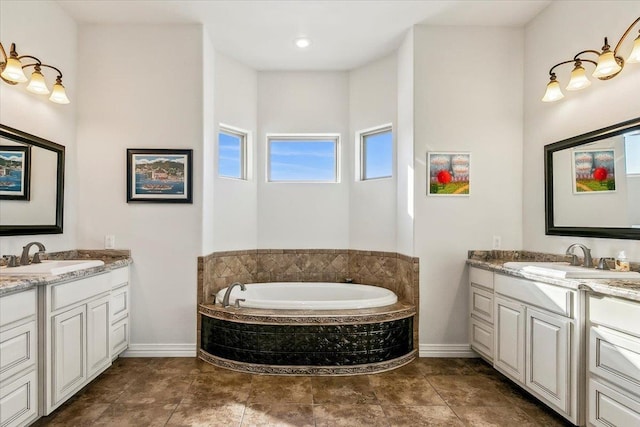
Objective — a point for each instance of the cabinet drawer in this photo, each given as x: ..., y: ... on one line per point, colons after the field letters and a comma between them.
x: 119, y: 276
x: 552, y: 298
x: 615, y: 357
x: 18, y: 306
x: 482, y: 338
x: 481, y: 277
x: 608, y: 407
x: 481, y: 304
x: 616, y: 313
x: 65, y: 294
x: 119, y: 337
x: 17, y: 349
x: 18, y: 401
x: 119, y: 302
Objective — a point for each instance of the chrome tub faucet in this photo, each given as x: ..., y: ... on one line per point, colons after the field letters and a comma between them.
x: 227, y: 294
x: 588, y: 261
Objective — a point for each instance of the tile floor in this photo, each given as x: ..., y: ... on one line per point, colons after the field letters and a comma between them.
x: 189, y: 392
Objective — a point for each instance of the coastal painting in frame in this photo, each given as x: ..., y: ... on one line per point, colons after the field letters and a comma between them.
x: 15, y: 163
x: 448, y: 173
x: 159, y: 175
x: 594, y: 171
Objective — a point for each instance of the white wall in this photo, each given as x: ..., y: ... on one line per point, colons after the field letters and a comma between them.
x: 296, y: 215
x: 141, y: 86
x: 43, y: 29
x: 236, y: 103
x: 467, y: 98
x: 404, y: 153
x: 208, y: 142
x: 372, y: 209
x: 551, y: 38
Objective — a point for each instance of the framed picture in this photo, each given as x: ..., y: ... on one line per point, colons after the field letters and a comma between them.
x: 448, y: 174
x: 594, y: 171
x: 159, y: 175
x: 15, y: 170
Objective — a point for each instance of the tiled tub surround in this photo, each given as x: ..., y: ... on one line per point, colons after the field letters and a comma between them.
x: 393, y: 271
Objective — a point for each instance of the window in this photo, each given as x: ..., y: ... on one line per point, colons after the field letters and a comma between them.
x: 302, y: 158
x: 376, y: 153
x: 232, y: 153
x: 632, y: 153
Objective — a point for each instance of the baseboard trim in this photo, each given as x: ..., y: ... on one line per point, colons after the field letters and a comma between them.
x: 446, y: 350
x: 160, y: 350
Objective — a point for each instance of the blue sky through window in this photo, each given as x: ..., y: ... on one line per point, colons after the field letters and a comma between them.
x: 302, y: 160
x: 230, y: 155
x: 378, y: 155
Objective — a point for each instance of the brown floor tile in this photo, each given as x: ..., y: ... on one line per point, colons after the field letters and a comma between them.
x: 281, y: 415
x: 493, y: 416
x: 156, y: 389
x: 183, y: 366
x: 410, y: 416
x: 467, y: 390
x: 126, y: 415
x: 219, y: 387
x: 445, y: 366
x: 347, y: 390
x: 402, y: 390
x: 540, y: 413
x: 280, y: 389
x: 74, y: 414
x: 412, y: 369
x: 349, y: 416
x: 209, y: 414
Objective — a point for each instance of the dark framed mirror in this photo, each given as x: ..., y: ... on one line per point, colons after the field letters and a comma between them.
x: 592, y: 183
x: 31, y: 184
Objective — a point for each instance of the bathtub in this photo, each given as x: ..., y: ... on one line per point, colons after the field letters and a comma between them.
x: 309, y: 296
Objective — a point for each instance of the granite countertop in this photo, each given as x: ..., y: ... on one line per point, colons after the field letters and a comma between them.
x: 494, y: 261
x: 113, y: 259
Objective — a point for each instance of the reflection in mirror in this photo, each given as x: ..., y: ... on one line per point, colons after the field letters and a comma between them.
x: 41, y: 211
x: 593, y: 183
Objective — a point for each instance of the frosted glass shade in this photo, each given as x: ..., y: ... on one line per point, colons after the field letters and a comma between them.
x: 607, y: 65
x: 58, y: 95
x: 37, y: 84
x: 13, y: 71
x: 579, y: 79
x: 634, y: 58
x: 553, y: 92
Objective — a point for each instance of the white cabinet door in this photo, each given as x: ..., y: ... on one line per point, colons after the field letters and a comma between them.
x: 98, y: 336
x: 68, y: 352
x: 548, y: 357
x: 509, y: 338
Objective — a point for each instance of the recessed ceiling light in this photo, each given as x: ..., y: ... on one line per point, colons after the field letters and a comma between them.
x: 303, y: 42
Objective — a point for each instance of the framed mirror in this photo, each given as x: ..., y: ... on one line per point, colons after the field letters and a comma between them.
x: 592, y: 183
x: 31, y: 184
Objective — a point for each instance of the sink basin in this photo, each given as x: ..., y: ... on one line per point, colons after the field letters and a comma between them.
x: 565, y: 271
x: 52, y: 267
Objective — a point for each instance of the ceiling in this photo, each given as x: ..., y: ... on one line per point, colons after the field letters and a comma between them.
x: 344, y: 34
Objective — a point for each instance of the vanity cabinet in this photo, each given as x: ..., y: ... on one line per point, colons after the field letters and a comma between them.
x: 75, y: 336
x: 18, y: 359
x: 613, y: 361
x: 481, y: 316
x: 119, y: 307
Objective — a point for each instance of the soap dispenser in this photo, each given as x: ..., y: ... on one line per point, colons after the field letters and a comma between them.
x: 622, y: 263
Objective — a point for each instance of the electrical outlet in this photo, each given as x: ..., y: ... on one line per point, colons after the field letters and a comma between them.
x: 109, y: 241
x: 497, y: 242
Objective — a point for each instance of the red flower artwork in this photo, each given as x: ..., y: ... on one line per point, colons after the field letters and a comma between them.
x: 444, y: 177
x: 600, y: 174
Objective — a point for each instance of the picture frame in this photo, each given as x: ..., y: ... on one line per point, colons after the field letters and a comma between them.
x: 593, y: 171
x: 448, y: 173
x: 159, y: 175
x: 15, y: 172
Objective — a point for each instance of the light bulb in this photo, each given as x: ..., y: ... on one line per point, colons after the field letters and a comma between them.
x: 553, y: 92
x: 634, y: 58
x: 303, y: 42
x: 37, y: 84
x: 13, y: 71
x: 58, y: 95
x: 579, y: 78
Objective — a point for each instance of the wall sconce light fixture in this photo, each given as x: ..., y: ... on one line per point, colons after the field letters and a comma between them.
x: 12, y: 72
x: 608, y: 65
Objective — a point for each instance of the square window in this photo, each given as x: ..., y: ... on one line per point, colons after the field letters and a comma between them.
x: 376, y: 153
x: 302, y: 158
x: 232, y: 153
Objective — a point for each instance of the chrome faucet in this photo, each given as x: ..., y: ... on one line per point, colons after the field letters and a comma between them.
x: 24, y: 258
x: 227, y: 294
x: 588, y: 261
